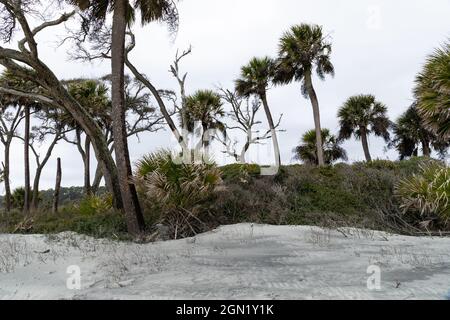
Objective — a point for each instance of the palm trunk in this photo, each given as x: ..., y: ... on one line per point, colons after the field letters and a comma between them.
x: 26, y: 156
x: 87, y: 166
x: 365, y: 144
x: 316, y: 113
x: 6, y: 178
x: 426, y: 148
x: 57, y: 186
x: 273, y: 133
x: 133, y: 213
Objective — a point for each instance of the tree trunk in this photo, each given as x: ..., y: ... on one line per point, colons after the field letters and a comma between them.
x: 133, y: 213
x: 6, y: 178
x: 276, y: 149
x: 35, y: 196
x: 60, y: 97
x: 426, y: 148
x: 26, y: 157
x: 37, y: 176
x: 97, y: 179
x: 162, y: 107
x: 87, y: 166
x: 365, y: 144
x: 57, y: 186
x: 316, y: 112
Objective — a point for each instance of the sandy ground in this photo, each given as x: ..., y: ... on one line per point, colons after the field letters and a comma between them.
x: 241, y: 261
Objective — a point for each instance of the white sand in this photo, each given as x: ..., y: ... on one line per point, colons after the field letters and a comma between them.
x: 233, y: 262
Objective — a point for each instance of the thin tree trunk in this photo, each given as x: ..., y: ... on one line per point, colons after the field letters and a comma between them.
x: 87, y: 166
x: 26, y: 155
x: 40, y: 167
x: 57, y: 186
x: 316, y: 114
x: 365, y: 144
x: 276, y: 149
x: 35, y: 192
x: 6, y: 178
x: 97, y: 179
x: 133, y: 213
x: 162, y: 106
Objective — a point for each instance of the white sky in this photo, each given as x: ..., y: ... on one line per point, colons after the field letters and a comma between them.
x: 378, y: 47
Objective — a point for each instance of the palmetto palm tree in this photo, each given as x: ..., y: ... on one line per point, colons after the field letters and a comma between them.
x: 410, y: 133
x: 307, y: 151
x: 254, y: 80
x: 433, y: 92
x: 92, y: 95
x: 124, y: 13
x: 204, y: 106
x: 360, y: 116
x: 302, y: 50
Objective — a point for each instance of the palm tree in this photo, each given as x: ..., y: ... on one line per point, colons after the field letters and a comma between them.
x: 433, y: 92
x: 360, y: 116
x: 92, y: 95
x: 410, y: 132
x: 204, y: 106
x: 124, y: 14
x: 255, y: 79
x: 302, y: 49
x: 307, y: 151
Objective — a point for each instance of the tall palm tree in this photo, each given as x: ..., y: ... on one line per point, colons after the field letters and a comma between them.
x: 204, y: 106
x: 124, y: 13
x: 362, y: 115
x: 410, y: 133
x: 302, y: 50
x: 433, y: 92
x: 307, y: 151
x: 255, y: 80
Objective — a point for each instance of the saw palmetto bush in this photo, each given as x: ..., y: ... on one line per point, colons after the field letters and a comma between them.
x: 180, y: 192
x: 427, y: 193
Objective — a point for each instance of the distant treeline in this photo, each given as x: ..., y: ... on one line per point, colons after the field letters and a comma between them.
x: 67, y: 195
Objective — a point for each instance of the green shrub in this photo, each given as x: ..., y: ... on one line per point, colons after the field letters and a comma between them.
x: 181, y: 193
x: 427, y: 192
x: 240, y: 171
x: 93, y: 204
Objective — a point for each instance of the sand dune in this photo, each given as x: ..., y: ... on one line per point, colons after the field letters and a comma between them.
x: 241, y: 261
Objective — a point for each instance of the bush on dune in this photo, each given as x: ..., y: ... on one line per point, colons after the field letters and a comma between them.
x: 180, y: 193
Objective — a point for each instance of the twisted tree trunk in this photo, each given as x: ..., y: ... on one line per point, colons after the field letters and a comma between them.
x: 316, y: 112
x: 133, y: 213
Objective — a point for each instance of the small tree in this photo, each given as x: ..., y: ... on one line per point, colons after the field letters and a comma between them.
x: 307, y: 151
x: 362, y: 115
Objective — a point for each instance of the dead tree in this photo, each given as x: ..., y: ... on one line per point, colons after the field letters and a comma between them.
x: 57, y: 186
x: 243, y: 114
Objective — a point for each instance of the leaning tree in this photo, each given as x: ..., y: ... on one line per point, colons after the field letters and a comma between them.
x: 25, y: 62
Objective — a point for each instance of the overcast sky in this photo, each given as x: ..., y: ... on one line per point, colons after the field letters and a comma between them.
x: 378, y: 47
